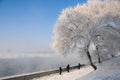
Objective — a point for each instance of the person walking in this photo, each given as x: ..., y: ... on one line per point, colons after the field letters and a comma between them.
x: 79, y: 65
x: 68, y: 68
x: 60, y: 70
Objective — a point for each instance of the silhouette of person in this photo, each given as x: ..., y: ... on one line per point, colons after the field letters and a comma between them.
x: 68, y: 68
x: 79, y: 65
x: 60, y: 70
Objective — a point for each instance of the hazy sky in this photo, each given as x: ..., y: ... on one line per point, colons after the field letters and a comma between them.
x: 27, y: 25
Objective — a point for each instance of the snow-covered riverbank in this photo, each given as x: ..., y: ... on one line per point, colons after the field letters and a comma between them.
x: 108, y: 70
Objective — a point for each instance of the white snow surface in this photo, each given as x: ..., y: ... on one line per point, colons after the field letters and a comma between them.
x: 107, y: 70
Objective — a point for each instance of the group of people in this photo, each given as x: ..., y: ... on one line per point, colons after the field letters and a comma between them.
x: 68, y: 68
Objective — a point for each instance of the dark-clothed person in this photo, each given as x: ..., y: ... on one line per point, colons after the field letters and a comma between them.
x: 60, y: 70
x: 68, y: 68
x: 79, y: 65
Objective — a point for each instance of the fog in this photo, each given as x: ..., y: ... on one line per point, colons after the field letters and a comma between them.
x: 19, y: 63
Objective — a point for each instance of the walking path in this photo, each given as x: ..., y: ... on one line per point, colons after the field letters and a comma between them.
x: 72, y: 75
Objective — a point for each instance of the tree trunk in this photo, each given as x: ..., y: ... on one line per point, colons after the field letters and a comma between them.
x: 99, y: 61
x: 89, y: 57
x: 91, y: 63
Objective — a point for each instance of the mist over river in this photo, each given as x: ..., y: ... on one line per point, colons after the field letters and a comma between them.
x: 21, y: 63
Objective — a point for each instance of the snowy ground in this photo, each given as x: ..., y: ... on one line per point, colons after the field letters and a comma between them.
x: 72, y: 75
x: 108, y: 70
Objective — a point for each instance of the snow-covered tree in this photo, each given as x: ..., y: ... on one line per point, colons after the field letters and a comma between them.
x: 97, y: 22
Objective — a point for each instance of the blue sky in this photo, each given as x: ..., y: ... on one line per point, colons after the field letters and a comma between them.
x: 27, y: 25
